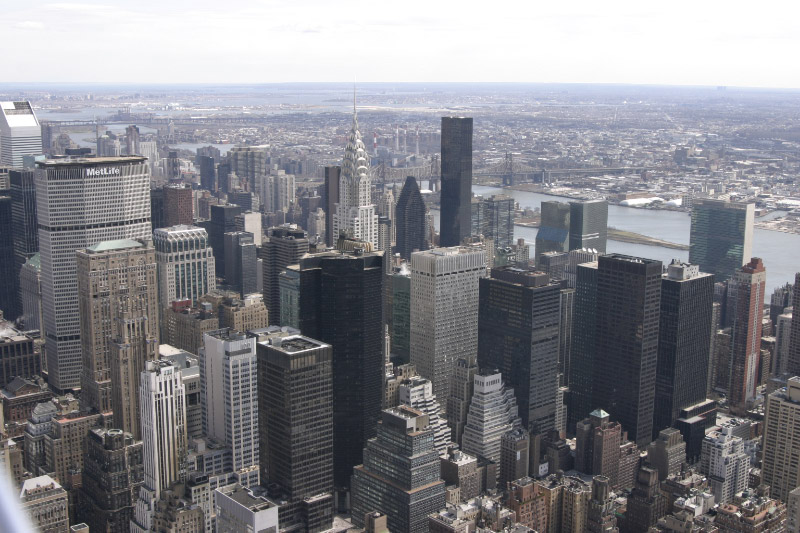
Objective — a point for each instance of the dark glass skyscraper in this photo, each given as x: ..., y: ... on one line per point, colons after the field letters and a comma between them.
x: 284, y: 246
x: 456, y: 207
x: 341, y: 305
x: 223, y: 220
x: 518, y: 332
x: 295, y: 416
x: 793, y: 357
x: 25, y: 230
x: 241, y: 268
x: 687, y: 297
x: 410, y: 221
x: 721, y: 238
x: 499, y: 222
x: 588, y: 225
x: 581, y: 367
x: 626, y: 345
x: 329, y: 201
x: 9, y: 286
x: 208, y: 172
x: 553, y: 234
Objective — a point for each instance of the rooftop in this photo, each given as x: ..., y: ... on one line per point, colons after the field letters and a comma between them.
x: 90, y: 161
x: 119, y: 244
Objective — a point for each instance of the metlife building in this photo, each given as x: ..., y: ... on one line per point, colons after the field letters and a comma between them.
x: 81, y: 202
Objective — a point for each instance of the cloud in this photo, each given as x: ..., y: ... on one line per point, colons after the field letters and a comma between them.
x: 29, y: 25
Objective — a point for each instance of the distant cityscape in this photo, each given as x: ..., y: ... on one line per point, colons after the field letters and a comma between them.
x: 401, y: 308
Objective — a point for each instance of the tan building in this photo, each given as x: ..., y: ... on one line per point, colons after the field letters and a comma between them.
x: 183, y: 326
x: 751, y: 513
x: 46, y: 503
x: 243, y: 314
x: 566, y: 500
x: 118, y: 302
x: 66, y: 445
x: 527, y: 499
x: 779, y: 466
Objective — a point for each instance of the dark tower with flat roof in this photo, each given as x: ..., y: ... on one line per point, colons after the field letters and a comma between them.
x: 410, y: 213
x: 456, y: 196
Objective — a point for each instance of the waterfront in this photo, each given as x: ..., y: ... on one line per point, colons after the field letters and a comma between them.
x: 778, y: 250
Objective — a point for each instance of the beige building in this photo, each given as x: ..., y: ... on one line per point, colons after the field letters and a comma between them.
x: 183, y: 326
x: 243, y: 314
x: 779, y: 467
x: 46, y: 503
x: 118, y: 303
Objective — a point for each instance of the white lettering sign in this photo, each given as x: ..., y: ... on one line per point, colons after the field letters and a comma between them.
x: 102, y: 171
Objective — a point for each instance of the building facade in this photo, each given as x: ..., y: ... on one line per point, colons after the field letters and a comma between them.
x: 186, y: 267
x: 456, y: 194
x: 721, y: 237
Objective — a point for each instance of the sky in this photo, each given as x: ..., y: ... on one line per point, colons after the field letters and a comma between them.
x: 701, y: 42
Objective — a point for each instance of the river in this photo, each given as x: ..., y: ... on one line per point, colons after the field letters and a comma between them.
x: 779, y: 251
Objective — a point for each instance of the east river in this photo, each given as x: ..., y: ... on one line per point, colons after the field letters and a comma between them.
x: 779, y: 251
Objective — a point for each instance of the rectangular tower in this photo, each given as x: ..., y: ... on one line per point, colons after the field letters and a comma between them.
x: 185, y: 264
x: 782, y: 440
x: 118, y: 302
x: 284, y: 246
x: 553, y: 234
x: 81, y: 202
x: 721, y: 238
x: 626, y: 346
x: 588, y: 225
x: 25, y: 230
x: 20, y: 133
x: 746, y: 291
x: 456, y: 195
x: 444, y: 311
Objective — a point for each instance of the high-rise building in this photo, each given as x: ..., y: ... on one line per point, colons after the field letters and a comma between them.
x: 30, y: 289
x: 444, y: 311
x: 460, y: 469
x: 588, y: 225
x: 289, y: 287
x: 315, y: 223
x: 241, y: 267
x: 112, y: 476
x: 793, y: 356
x: 45, y: 501
x: 626, y: 345
x: 725, y: 463
x: 239, y: 509
x: 783, y: 343
x: 514, y: 456
x: 178, y: 205
x: 779, y: 300
x: 223, y: 220
x: 20, y: 133
x: 400, y: 474
x: 721, y: 238
x: 295, y: 402
x: 400, y: 282
x: 208, y: 172
x: 119, y: 325
x: 499, y: 221
x: 250, y: 221
x: 19, y: 356
x: 687, y: 297
x: 24, y: 225
x: 518, y: 334
x: 10, y: 287
x: 456, y: 194
x: 284, y: 246
x: 746, y: 291
x: 597, y: 446
x: 462, y: 387
x: 646, y: 504
x: 157, y: 208
x: 417, y: 392
x: 228, y: 379
x: 492, y: 414
x: 355, y: 213
x: 162, y: 403
x: 751, y: 511
x: 581, y: 368
x: 341, y: 305
x: 132, y: 140
x: 115, y: 206
x: 190, y: 376
x: 553, y: 234
x: 330, y: 199
x: 410, y: 222
x: 667, y: 453
x: 782, y: 440
x: 554, y: 264
x: 601, y: 514
x: 276, y: 191
x: 185, y: 264
x: 248, y: 162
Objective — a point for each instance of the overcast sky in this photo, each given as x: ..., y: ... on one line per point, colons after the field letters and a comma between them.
x: 259, y: 41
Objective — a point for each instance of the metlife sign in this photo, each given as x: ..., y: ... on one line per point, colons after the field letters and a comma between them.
x: 102, y: 171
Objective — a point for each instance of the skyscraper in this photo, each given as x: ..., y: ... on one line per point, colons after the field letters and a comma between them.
x: 462, y: 387
x: 295, y: 403
x: 793, y: 355
x: 223, y: 220
x: 444, y: 311
x: 178, y: 205
x: 782, y: 440
x: 10, y: 287
x: 410, y: 212
x: 417, y: 392
x: 400, y: 474
x: 20, y: 133
x: 276, y: 191
x: 747, y: 292
x: 721, y: 238
x: 492, y: 414
x: 119, y: 325
x: 24, y: 229
x: 228, y: 380
x: 518, y: 334
x: 284, y: 246
x: 499, y: 222
x: 330, y: 199
x: 456, y: 195
x: 355, y: 213
x: 185, y: 261
x: 401, y: 315
x: 115, y: 193
x: 626, y: 346
x: 726, y: 464
x: 553, y: 234
x: 208, y: 172
x: 162, y: 404
x: 341, y: 305
x: 581, y: 368
x: 241, y: 267
x: 588, y: 225
x: 687, y: 297
x: 132, y: 140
